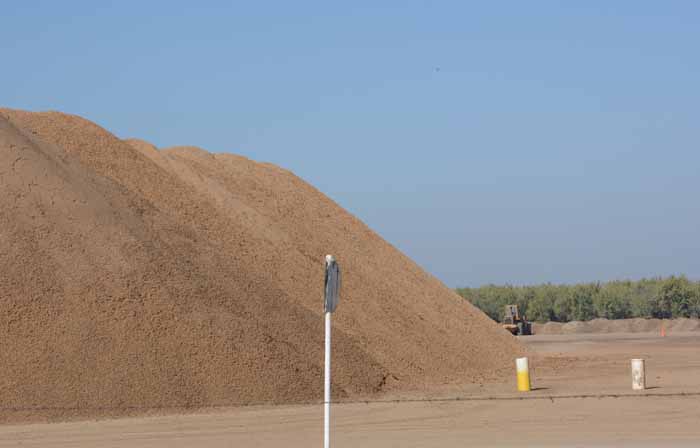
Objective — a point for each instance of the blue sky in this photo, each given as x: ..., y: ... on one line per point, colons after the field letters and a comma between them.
x: 506, y: 142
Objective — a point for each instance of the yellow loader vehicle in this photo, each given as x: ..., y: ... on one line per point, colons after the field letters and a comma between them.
x: 516, y: 324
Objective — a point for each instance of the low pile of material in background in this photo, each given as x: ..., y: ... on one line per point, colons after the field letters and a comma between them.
x: 635, y: 325
x: 135, y: 279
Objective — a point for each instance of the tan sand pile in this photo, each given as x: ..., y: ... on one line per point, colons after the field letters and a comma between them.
x: 132, y: 278
x: 636, y: 325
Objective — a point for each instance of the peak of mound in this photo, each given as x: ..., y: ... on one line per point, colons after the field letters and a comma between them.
x: 141, y: 145
x: 133, y: 278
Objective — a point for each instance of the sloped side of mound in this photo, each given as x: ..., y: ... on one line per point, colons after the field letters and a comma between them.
x: 415, y: 326
x: 133, y: 279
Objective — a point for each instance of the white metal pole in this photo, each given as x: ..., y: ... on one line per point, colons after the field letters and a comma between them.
x: 327, y: 387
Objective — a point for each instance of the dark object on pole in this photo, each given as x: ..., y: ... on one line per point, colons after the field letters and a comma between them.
x: 332, y: 287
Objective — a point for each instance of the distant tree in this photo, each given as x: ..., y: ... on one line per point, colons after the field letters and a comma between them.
x: 563, y: 304
x: 644, y: 293
x: 655, y: 297
x: 695, y: 301
x: 613, y: 301
x: 525, y: 296
x: 675, y: 297
x: 541, y: 307
x: 582, y: 301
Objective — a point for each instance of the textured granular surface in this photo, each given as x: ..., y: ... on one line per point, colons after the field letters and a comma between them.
x: 635, y: 325
x: 134, y: 279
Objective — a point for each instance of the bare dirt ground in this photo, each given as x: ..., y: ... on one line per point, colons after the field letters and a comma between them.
x: 582, y: 398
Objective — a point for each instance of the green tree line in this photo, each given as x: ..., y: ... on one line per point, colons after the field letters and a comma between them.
x: 656, y: 297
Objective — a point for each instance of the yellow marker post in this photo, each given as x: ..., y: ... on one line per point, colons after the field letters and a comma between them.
x: 523, y: 372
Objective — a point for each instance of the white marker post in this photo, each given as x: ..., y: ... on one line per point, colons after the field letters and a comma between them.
x: 638, y: 375
x: 330, y: 302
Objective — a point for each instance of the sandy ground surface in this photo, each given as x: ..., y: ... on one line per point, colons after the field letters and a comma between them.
x: 582, y: 398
